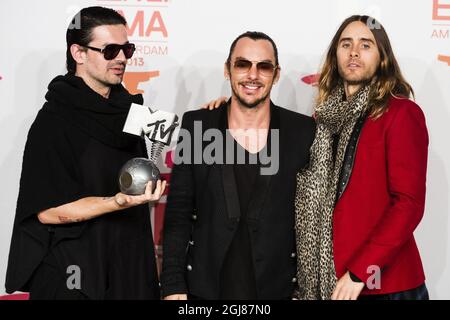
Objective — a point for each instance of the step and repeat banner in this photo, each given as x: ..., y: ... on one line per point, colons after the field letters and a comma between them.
x: 178, y: 65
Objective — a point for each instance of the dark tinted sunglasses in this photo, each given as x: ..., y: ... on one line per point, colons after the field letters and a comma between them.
x: 112, y: 50
x: 264, y: 67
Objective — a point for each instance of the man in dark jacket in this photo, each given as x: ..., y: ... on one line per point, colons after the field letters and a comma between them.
x: 229, y: 221
x: 65, y: 243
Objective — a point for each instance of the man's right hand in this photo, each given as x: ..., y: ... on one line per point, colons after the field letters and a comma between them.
x: 214, y: 104
x: 176, y: 297
x: 93, y: 207
x: 127, y: 201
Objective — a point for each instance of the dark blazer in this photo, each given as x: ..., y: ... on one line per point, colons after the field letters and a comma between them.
x: 383, y: 201
x: 202, y: 212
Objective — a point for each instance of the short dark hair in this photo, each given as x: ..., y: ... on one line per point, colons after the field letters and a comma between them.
x: 80, y: 29
x: 254, y: 35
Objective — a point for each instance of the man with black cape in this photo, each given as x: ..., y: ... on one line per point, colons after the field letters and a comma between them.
x: 75, y: 235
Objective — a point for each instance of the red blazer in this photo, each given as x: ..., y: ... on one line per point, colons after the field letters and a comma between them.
x: 383, y: 203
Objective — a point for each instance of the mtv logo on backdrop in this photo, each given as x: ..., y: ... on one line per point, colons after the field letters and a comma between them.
x: 441, y: 10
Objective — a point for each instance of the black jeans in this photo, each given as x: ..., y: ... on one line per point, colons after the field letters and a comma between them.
x: 419, y: 293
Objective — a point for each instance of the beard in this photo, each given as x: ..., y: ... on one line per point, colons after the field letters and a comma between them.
x: 247, y: 104
x: 112, y: 80
x: 362, y: 80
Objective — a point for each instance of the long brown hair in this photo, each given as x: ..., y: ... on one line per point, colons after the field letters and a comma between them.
x: 388, y: 80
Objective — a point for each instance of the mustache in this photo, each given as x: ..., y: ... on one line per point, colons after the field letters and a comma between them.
x: 251, y: 83
x: 119, y: 64
x: 358, y: 62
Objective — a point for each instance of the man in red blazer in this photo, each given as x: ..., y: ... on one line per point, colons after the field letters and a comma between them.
x: 363, y: 194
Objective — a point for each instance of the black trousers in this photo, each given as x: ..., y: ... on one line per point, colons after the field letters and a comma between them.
x: 419, y: 293
x: 49, y: 282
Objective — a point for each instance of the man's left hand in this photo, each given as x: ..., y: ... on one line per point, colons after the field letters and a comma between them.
x: 347, y: 289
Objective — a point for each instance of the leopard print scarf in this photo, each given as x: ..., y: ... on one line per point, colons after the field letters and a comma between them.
x: 316, y: 193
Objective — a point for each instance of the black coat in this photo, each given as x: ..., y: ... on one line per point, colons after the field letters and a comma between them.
x: 75, y: 149
x: 202, y: 213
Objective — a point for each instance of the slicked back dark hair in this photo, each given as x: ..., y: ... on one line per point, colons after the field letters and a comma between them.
x: 80, y: 29
x: 254, y: 35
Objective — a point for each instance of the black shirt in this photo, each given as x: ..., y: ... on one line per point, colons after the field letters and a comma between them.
x: 238, y: 275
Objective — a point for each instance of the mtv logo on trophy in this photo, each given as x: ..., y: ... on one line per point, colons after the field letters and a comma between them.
x: 157, y: 128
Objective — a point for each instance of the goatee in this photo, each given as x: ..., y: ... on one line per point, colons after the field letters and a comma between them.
x: 247, y: 104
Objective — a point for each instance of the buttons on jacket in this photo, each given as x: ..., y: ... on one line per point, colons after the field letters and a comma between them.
x: 232, y: 223
x: 293, y: 255
x: 194, y: 214
x: 294, y: 280
x: 189, y: 267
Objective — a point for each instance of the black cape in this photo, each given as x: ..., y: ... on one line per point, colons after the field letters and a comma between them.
x: 75, y: 149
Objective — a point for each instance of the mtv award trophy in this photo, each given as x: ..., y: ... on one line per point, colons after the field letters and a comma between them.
x: 156, y: 127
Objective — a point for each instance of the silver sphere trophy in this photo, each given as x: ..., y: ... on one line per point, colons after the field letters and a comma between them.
x: 157, y: 128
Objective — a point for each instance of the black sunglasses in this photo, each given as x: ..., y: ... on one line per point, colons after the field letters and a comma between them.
x: 266, y: 68
x: 112, y: 50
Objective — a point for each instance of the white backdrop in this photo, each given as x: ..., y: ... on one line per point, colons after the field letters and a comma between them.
x: 182, y: 47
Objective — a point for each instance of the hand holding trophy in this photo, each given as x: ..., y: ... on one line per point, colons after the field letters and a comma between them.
x: 157, y: 128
